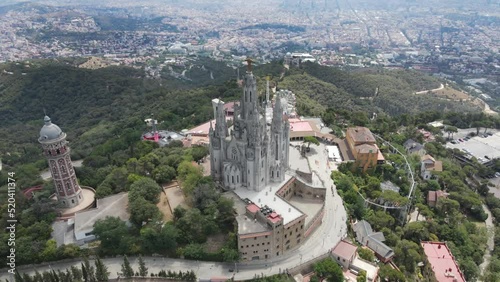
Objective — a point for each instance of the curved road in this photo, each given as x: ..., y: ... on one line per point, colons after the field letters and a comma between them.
x: 432, y: 90
x: 324, y: 238
x: 491, y: 240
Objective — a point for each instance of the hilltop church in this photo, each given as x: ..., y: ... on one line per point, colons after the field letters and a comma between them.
x: 255, y: 152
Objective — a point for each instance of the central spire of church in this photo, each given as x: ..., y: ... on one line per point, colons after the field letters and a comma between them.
x: 249, y: 64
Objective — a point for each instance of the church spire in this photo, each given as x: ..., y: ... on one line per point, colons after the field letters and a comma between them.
x: 249, y: 64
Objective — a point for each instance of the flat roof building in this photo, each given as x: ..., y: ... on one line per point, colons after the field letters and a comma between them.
x: 443, y: 262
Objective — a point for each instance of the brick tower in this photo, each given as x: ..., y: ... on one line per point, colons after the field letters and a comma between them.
x: 55, y: 149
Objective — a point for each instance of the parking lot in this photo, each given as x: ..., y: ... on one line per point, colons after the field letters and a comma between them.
x: 483, y: 148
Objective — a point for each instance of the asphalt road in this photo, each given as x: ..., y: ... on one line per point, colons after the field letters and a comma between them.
x: 324, y: 238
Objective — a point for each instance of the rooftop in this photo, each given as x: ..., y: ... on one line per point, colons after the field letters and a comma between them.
x: 267, y: 196
x: 442, y: 261
x: 433, y: 165
x: 344, y: 249
x: 366, y: 149
x: 300, y: 126
x: 361, y: 134
x: 373, y: 240
x: 247, y: 225
x: 115, y: 206
x: 432, y: 196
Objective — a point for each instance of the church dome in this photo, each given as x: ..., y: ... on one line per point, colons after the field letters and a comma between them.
x: 49, y: 131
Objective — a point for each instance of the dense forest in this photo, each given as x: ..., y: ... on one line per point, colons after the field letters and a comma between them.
x: 95, y: 105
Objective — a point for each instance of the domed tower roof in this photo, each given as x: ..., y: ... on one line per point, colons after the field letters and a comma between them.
x: 49, y: 131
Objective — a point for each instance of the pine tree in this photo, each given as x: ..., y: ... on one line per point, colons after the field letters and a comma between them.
x: 18, y: 277
x: 55, y: 277
x: 127, y: 270
x: 27, y: 278
x: 143, y: 270
x: 76, y: 273
x: 101, y: 271
x: 38, y: 277
x: 90, y: 270
x: 84, y: 273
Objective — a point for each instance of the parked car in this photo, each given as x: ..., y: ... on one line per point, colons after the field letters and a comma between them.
x: 489, y: 133
x: 467, y: 138
x: 461, y: 140
x: 497, y: 174
x: 453, y: 142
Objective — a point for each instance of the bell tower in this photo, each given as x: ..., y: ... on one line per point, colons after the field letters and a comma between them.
x: 55, y: 149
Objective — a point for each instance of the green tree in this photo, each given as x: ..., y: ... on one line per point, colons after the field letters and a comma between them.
x: 145, y: 188
x: 127, y: 270
x: 366, y: 254
x: 76, y: 273
x: 407, y: 255
x: 380, y: 219
x: 451, y: 130
x: 230, y: 255
x: 142, y: 211
x: 470, y: 269
x: 101, y: 271
x: 477, y: 125
x: 114, y: 236
x: 387, y: 273
x: 88, y: 271
x: 164, y: 173
x: 361, y: 276
x: 143, y: 270
x: 309, y: 140
x: 194, y: 251
x: 330, y: 270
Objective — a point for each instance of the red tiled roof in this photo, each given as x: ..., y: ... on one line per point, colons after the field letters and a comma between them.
x: 442, y: 261
x: 361, y: 134
x: 253, y: 208
x: 274, y: 217
x: 344, y: 249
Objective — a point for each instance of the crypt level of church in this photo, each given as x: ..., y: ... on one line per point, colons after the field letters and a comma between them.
x: 280, y: 200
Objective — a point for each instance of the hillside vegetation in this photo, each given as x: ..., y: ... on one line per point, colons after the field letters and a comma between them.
x: 369, y: 90
x: 93, y: 106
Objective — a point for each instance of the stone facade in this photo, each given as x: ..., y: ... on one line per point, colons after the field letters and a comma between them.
x: 255, y: 152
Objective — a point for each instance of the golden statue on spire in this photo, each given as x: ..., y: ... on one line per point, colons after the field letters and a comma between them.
x: 249, y: 64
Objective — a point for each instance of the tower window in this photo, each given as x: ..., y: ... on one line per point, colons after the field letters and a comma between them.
x: 72, y: 201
